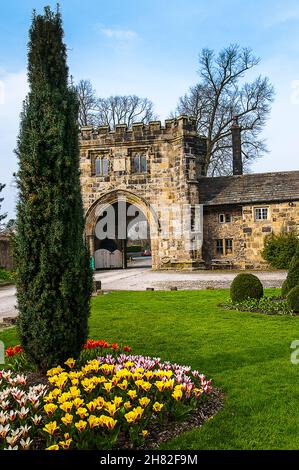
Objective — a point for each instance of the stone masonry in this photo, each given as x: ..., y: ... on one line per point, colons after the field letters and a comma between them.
x: 174, y: 157
x: 170, y: 174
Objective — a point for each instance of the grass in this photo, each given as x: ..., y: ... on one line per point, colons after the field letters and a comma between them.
x: 246, y: 354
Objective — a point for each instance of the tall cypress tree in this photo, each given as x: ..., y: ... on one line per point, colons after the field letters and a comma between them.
x: 54, y: 278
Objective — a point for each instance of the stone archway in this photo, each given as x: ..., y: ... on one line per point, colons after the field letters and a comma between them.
x: 119, y: 198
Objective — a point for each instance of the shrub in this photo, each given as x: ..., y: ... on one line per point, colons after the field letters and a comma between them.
x: 293, y: 274
x: 246, y: 286
x: 280, y: 249
x: 284, y: 289
x: 293, y: 299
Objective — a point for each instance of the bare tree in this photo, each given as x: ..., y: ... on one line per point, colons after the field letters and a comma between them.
x: 2, y: 216
x: 124, y: 110
x: 222, y: 94
x: 112, y: 110
x: 87, y: 103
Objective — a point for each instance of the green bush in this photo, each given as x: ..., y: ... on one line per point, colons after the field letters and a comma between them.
x: 280, y: 249
x: 246, y: 286
x: 293, y: 299
x: 284, y: 289
x: 6, y: 276
x: 293, y: 274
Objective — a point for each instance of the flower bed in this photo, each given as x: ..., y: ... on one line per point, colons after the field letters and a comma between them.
x: 106, y: 399
x: 266, y: 305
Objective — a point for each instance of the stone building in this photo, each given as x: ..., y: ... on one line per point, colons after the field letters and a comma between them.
x: 159, y: 171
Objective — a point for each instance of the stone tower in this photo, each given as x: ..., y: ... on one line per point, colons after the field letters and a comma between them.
x: 156, y: 168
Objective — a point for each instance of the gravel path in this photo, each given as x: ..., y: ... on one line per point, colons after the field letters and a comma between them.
x: 140, y: 277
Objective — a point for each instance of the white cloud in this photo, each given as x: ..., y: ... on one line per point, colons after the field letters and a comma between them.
x: 119, y: 34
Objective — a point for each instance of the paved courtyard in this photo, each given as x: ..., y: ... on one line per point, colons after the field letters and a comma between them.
x: 139, y: 276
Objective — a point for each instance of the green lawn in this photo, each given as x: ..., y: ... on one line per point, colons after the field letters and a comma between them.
x: 246, y: 354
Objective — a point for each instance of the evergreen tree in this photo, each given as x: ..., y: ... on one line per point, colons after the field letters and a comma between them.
x: 293, y: 274
x: 2, y: 216
x: 54, y: 279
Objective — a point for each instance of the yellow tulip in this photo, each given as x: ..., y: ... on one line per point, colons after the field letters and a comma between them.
x: 51, y: 428
x: 144, y: 401
x: 81, y: 425
x: 70, y: 363
x: 108, y: 387
x: 117, y: 401
x: 160, y: 385
x: 82, y: 412
x: 127, y: 405
x: 93, y: 421
x: 75, y: 392
x: 78, y: 402
x: 66, y: 406
x: 144, y: 433
x: 54, y: 447
x: 65, y: 444
x: 67, y: 419
x: 91, y: 406
x: 177, y: 395
x: 50, y: 408
x: 157, y: 407
x: 123, y: 385
x: 132, y: 394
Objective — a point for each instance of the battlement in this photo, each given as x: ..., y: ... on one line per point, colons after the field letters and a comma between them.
x: 183, y: 125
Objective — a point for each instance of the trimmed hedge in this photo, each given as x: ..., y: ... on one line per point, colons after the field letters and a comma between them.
x: 293, y: 299
x: 246, y: 286
x: 284, y: 289
x: 279, y: 249
x: 293, y: 274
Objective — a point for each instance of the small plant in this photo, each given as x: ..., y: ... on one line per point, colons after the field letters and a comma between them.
x: 246, y: 286
x: 280, y: 249
x: 266, y: 305
x: 293, y: 299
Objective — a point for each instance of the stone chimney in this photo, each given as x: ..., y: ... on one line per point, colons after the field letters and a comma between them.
x: 237, y: 147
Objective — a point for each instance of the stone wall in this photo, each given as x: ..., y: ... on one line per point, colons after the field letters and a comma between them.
x: 248, y: 234
x: 174, y: 155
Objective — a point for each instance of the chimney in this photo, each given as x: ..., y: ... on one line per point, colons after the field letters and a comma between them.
x: 237, y: 147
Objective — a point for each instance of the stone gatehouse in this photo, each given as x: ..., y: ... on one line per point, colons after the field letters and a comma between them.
x: 161, y: 167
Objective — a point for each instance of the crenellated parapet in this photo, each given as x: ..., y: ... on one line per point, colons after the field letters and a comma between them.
x: 172, y: 128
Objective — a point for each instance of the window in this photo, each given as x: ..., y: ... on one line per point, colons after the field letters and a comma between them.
x: 261, y: 213
x: 224, y: 246
x: 219, y: 247
x: 228, y: 246
x: 101, y: 166
x: 139, y: 164
x: 225, y: 218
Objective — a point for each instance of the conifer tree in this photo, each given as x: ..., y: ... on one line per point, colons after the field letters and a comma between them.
x: 54, y: 278
x: 292, y: 279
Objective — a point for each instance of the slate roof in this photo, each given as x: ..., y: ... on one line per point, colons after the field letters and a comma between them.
x: 249, y: 188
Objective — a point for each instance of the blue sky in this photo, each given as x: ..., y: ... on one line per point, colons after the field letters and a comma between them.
x: 150, y: 48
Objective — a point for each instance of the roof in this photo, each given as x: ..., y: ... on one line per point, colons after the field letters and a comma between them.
x: 249, y: 188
